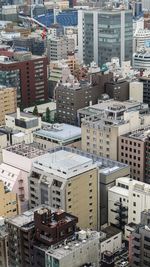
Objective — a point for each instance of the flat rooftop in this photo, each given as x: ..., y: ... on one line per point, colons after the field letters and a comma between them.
x: 111, y: 231
x: 119, y: 190
x: 106, y: 165
x: 73, y: 245
x: 64, y: 163
x: 139, y: 134
x: 26, y: 150
x: 27, y: 217
x: 114, y: 103
x: 59, y: 132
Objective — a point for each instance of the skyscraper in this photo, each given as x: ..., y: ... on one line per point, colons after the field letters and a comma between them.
x: 104, y: 34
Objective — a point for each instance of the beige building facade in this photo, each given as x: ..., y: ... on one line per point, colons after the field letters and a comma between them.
x: 8, y: 202
x: 8, y: 102
x: 100, y: 133
x: 67, y: 180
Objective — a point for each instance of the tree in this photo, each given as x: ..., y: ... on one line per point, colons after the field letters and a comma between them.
x: 35, y: 111
x: 48, y: 115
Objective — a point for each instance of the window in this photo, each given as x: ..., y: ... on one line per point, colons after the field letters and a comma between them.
x: 134, y: 204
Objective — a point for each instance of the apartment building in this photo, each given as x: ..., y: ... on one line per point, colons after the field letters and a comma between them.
x: 28, y: 74
x: 100, y: 132
x: 67, y: 180
x: 49, y: 238
x: 58, y: 134
x: 24, y: 123
x: 132, y: 151
x: 8, y: 102
x: 126, y: 200
x: 3, y: 243
x: 8, y: 201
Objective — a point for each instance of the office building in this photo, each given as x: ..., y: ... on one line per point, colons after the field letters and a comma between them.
x: 3, y: 243
x: 100, y: 132
x: 59, y: 48
x: 108, y: 171
x: 104, y: 34
x: 133, y: 150
x: 8, y: 102
x: 8, y: 200
x: 118, y: 89
x: 126, y: 200
x: 70, y: 181
x: 73, y: 96
x: 58, y: 134
x: 26, y: 72
x: 49, y: 238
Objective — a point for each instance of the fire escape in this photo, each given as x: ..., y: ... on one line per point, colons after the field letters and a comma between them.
x: 121, y: 214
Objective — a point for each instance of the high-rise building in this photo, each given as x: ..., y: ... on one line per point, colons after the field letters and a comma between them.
x: 8, y: 102
x: 28, y: 74
x: 67, y: 180
x: 104, y: 34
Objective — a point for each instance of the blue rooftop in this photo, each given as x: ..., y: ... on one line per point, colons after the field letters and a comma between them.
x: 64, y: 18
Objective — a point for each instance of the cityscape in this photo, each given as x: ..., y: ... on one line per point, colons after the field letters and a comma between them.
x: 74, y: 133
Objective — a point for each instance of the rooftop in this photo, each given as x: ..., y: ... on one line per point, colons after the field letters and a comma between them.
x: 26, y: 218
x: 106, y: 165
x: 59, y: 132
x: 111, y: 231
x: 64, y: 163
x: 64, y: 249
x: 27, y: 150
x: 140, y: 134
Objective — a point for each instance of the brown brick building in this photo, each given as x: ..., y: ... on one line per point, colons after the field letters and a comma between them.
x: 71, y: 97
x: 132, y: 151
x: 28, y: 74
